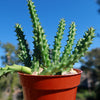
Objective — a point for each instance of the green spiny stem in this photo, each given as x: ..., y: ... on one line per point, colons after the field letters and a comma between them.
x: 14, y: 68
x: 35, y: 65
x: 35, y: 21
x: 40, y: 43
x: 4, y: 72
x: 57, y: 42
x: 79, y: 51
x: 81, y: 47
x: 67, y: 50
x: 70, y: 42
x: 19, y: 68
x: 23, y: 46
x: 51, y: 70
x: 41, y: 49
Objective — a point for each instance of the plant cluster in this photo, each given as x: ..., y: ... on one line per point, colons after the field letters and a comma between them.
x: 41, y: 56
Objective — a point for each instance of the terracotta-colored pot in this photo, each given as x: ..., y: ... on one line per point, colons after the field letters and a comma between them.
x: 57, y: 87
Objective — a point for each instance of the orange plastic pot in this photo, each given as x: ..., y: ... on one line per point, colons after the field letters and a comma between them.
x: 57, y: 87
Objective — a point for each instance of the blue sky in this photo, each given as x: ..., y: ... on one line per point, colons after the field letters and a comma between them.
x: 82, y: 12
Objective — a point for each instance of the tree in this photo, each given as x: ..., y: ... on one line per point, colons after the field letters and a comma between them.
x: 91, y: 65
x: 92, y: 59
x: 91, y: 62
x: 10, y: 57
x: 98, y: 2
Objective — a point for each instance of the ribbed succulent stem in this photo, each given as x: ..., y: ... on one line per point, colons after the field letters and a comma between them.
x: 79, y: 51
x: 41, y: 60
x: 51, y: 70
x: 81, y: 48
x: 4, y: 72
x: 18, y: 68
x: 57, y: 42
x: 70, y: 42
x: 23, y: 46
x: 35, y: 65
x: 41, y: 48
x: 14, y: 68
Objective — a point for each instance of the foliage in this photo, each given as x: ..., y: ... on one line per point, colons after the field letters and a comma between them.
x: 40, y: 58
x: 8, y: 85
x: 91, y: 64
x: 10, y: 57
x: 98, y: 2
x: 86, y: 95
x: 97, y: 90
x: 92, y: 58
x: 10, y: 54
x: 9, y: 50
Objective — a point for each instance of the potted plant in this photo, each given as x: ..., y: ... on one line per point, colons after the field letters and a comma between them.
x: 44, y: 77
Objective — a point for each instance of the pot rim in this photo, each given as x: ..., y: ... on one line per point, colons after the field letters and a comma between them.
x: 69, y: 75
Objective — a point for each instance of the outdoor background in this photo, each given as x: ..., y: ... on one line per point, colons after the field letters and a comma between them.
x: 85, y: 13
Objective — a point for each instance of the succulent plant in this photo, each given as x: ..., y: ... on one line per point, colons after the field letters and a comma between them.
x: 41, y: 55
